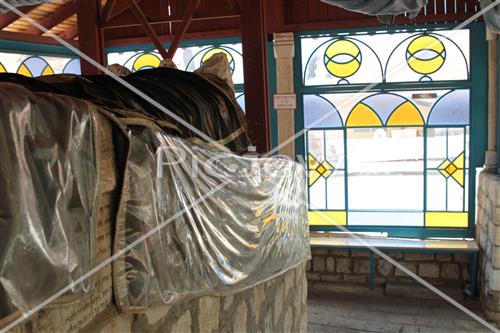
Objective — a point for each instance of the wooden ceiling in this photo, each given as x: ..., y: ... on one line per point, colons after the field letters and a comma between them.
x: 212, y: 18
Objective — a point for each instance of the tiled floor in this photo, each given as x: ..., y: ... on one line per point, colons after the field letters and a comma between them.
x: 352, y: 313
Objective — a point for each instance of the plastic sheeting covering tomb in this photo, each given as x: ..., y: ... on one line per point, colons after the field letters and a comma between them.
x: 49, y: 184
x: 244, y: 220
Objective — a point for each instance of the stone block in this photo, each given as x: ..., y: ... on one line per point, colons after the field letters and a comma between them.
x: 444, y: 257
x: 308, y: 266
x: 451, y: 272
x: 318, y: 264
x: 428, y: 270
x: 465, y: 272
x: 313, y: 276
x: 417, y: 256
x: 331, y: 278
x: 356, y: 278
x: 183, y: 324
x: 411, y: 266
x: 209, y: 313
x: 461, y: 257
x: 494, y: 280
x: 361, y: 266
x: 330, y: 265
x: 240, y: 319
x: 396, y: 255
x: 384, y: 268
x: 344, y: 265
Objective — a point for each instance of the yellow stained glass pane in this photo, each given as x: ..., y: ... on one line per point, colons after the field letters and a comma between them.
x: 23, y: 70
x: 425, y: 42
x: 48, y: 71
x: 447, y: 219
x: 342, y: 46
x: 459, y: 161
x: 146, y: 60
x: 451, y: 168
x: 459, y: 176
x: 321, y: 169
x: 406, y: 115
x: 331, y: 218
x: 312, y: 162
x: 313, y: 177
x: 342, y: 70
x: 363, y: 116
x: 2, y: 69
x: 426, y: 66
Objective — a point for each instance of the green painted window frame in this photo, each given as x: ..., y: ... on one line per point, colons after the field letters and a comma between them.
x: 477, y: 83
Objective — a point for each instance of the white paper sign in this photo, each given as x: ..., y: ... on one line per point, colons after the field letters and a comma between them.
x: 285, y: 101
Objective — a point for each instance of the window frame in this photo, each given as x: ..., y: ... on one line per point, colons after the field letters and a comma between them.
x: 476, y: 83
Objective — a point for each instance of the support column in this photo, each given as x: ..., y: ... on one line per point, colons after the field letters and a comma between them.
x: 90, y: 36
x: 254, y: 41
x: 284, y: 52
x: 491, y: 153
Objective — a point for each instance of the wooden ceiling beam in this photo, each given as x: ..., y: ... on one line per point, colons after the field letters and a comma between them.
x: 10, y: 17
x: 107, y: 9
x: 128, y: 22
x: 186, y: 21
x: 22, y: 37
x: 61, y: 14
x: 168, y: 38
x: 70, y: 33
x: 139, y: 15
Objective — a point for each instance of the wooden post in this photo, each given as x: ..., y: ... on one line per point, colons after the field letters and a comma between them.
x: 90, y: 37
x: 253, y: 36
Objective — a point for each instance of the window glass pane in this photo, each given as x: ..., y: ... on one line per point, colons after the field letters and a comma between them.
x: 336, y: 191
x: 406, y: 219
x: 364, y: 58
x: 385, y: 168
x: 240, y: 98
x: 34, y: 66
x: 185, y: 58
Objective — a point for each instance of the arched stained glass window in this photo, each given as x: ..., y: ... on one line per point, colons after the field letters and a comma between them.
x: 35, y: 66
x: 73, y: 67
x: 379, y: 57
x: 321, y: 113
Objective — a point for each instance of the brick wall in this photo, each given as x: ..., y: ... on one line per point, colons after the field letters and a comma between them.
x: 353, y: 267
x: 488, y: 236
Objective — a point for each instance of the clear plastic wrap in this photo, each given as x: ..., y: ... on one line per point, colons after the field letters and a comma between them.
x: 245, y: 220
x: 49, y: 184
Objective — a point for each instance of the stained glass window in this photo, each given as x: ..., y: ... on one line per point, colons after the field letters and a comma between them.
x: 186, y: 58
x: 378, y: 57
x: 396, y: 158
x: 34, y: 66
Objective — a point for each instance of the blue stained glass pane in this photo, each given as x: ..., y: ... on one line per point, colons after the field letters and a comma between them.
x: 241, y: 101
x: 384, y: 104
x: 451, y: 109
x: 36, y: 65
x: 319, y: 112
x: 73, y: 67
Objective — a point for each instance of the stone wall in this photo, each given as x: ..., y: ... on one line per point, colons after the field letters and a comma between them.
x: 344, y: 266
x: 488, y: 236
x: 278, y: 305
